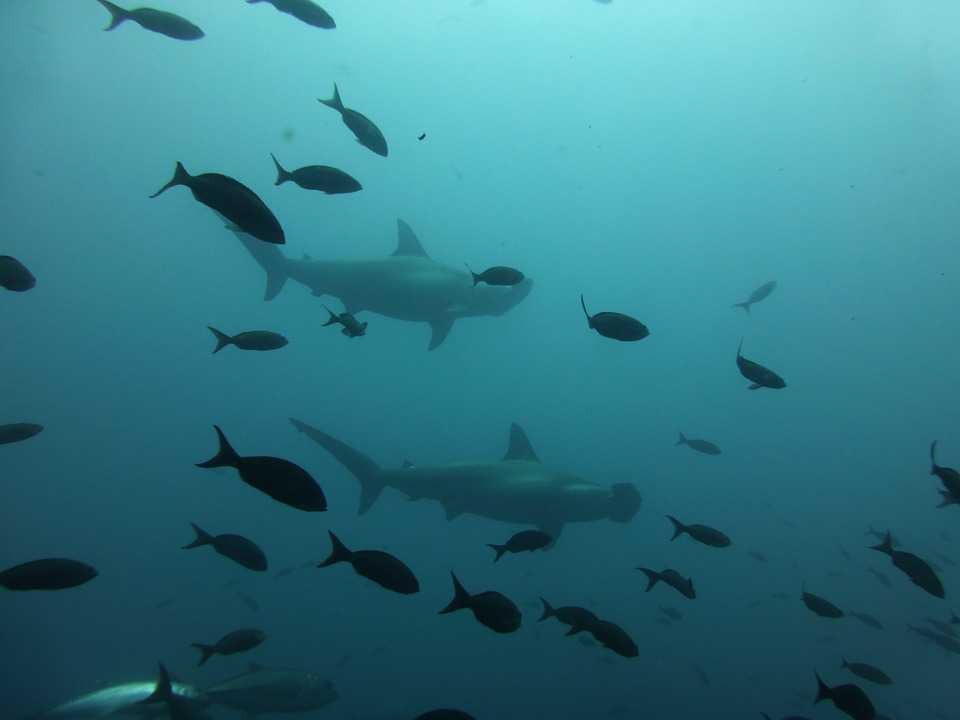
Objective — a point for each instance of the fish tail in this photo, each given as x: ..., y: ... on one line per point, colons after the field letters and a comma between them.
x: 499, y: 549
x: 180, y: 177
x: 886, y: 547
x: 678, y: 527
x: 933, y: 458
x: 584, y: 306
x: 335, y: 102
x: 461, y: 598
x: 476, y: 278
x: 823, y: 691
x: 333, y: 317
x: 226, y: 456
x: 117, y: 14
x: 548, y: 611
x: 681, y: 441
x: 282, y: 175
x: 206, y: 652
x: 203, y: 538
x: 767, y: 717
x: 653, y: 577
x: 744, y: 305
x: 222, y: 339
x: 339, y: 552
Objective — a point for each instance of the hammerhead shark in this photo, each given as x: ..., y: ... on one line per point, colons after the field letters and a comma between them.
x: 516, y: 489
x: 407, y: 285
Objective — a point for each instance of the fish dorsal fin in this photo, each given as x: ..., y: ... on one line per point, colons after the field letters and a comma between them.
x: 407, y: 242
x: 520, y: 447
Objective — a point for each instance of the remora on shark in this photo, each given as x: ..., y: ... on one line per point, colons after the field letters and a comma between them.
x: 407, y: 285
x: 517, y: 489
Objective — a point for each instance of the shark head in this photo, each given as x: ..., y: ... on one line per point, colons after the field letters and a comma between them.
x: 625, y: 502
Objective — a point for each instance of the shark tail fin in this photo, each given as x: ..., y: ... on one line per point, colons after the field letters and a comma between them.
x: 461, y: 598
x: 653, y: 577
x: 117, y: 14
x: 203, y: 538
x: 222, y: 339
x: 365, y: 470
x: 335, y: 102
x: 548, y: 611
x: 499, y: 550
x: 226, y: 456
x: 339, y: 552
x: 678, y: 527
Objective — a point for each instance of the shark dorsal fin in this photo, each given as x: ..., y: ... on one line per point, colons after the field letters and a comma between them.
x: 407, y: 242
x: 520, y: 447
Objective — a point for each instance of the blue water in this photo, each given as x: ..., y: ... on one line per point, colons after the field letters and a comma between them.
x: 664, y: 158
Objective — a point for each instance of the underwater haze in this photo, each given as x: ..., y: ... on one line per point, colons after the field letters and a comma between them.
x: 662, y: 158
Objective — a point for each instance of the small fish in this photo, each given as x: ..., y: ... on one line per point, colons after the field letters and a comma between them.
x: 523, y: 541
x: 614, y: 325
x: 915, y: 568
x: 702, y: 674
x: 949, y: 477
x: 701, y: 446
x: 231, y: 199
x: 250, y: 340
x: 47, y: 574
x: 701, y: 533
x: 248, y: 601
x: 867, y: 672
x: 158, y: 21
x: 757, y: 374
x: 682, y: 585
x: 351, y: 328
x: 761, y: 293
x: 236, y: 642
x: 821, y: 606
x: 944, y: 628
x: 445, y: 714
x: 18, y: 432
x: 490, y: 608
x: 421, y: 136
x: 843, y: 551
x: 281, y: 479
x: 234, y: 547
x: 946, y: 642
x: 866, y: 619
x: 613, y: 637
x: 881, y: 577
x: 303, y: 10
x: 880, y: 535
x: 498, y: 275
x: 383, y: 568
x: 14, y: 275
x: 284, y: 572
x: 323, y: 178
x: 849, y: 699
x: 758, y: 556
x: 671, y: 613
x: 362, y: 127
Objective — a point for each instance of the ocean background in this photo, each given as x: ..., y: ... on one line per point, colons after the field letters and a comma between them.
x: 664, y: 158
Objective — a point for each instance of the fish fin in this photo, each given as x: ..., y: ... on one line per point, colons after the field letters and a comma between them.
x: 226, y: 456
x: 162, y: 691
x: 339, y: 552
x: 519, y: 447
x: 269, y: 258
x: 365, y: 470
x: 180, y: 177
x: 461, y: 598
x: 754, y: 386
x: 203, y: 538
x: 682, y: 440
x: 744, y: 305
x: 222, y: 339
x: 276, y: 278
x: 823, y: 691
x: 739, y: 349
x: 843, y: 662
x: 653, y: 577
x: 439, y: 330
x: 407, y: 242
x: 499, y: 550
x: 282, y: 175
x: 886, y: 547
x: 334, y: 318
x: 476, y: 278
x: 335, y: 102
x: 117, y: 14
x: 678, y: 527
x: 206, y: 652
x: 584, y: 306
x: 548, y: 611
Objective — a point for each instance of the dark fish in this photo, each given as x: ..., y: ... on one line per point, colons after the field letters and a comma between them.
x: 351, y: 327
x: 613, y: 637
x: 361, y: 126
x: 158, y: 21
x: 284, y: 572
x: 231, y: 199
x: 700, y: 533
x: 523, y: 541
x: 880, y: 535
x: 445, y: 714
x: 944, y: 628
x: 867, y: 672
x: 17, y: 432
x: 915, y: 568
x: 757, y: 374
x: 850, y: 699
x: 235, y: 547
x: 497, y: 275
x: 578, y: 618
x: 702, y: 674
x: 47, y: 574
x: 248, y: 601
x: 421, y: 136
x: 948, y: 476
x: 758, y: 556
x: 384, y: 569
x: 614, y: 325
x: 821, y: 606
x: 324, y: 178
x: 867, y: 619
x: 303, y: 10
x: 701, y: 446
x: 682, y: 585
x: 490, y: 608
x: 881, y: 577
x: 14, y: 275
x: 843, y: 551
x: 946, y: 642
x: 954, y: 618
x: 757, y: 295
x: 236, y: 642
x: 250, y: 340
x: 280, y: 479
x: 671, y: 613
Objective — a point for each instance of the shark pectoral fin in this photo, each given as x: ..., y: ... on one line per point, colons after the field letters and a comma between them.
x: 519, y: 447
x: 440, y: 329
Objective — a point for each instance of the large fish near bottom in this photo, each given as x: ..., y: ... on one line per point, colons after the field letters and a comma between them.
x: 406, y: 285
x: 268, y: 690
x: 515, y: 489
